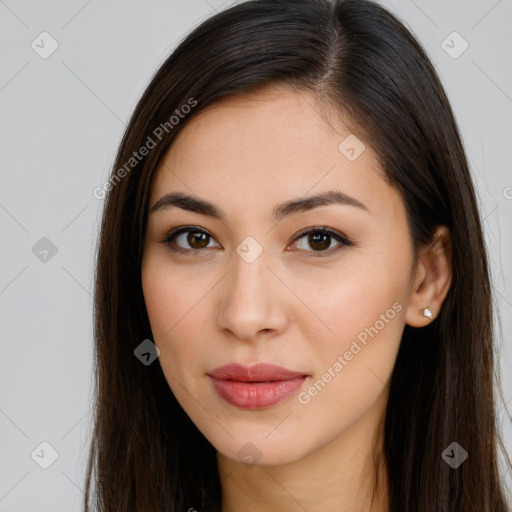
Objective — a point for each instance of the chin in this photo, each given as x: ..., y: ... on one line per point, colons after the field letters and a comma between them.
x: 253, y: 448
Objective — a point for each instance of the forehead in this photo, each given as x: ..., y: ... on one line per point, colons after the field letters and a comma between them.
x: 266, y: 147
x: 272, y: 124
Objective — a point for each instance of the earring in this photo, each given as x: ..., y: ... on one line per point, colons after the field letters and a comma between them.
x: 426, y: 313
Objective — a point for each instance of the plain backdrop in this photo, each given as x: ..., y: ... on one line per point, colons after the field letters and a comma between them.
x: 62, y: 117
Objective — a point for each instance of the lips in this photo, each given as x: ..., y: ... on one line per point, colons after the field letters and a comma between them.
x: 260, y: 372
x: 257, y: 386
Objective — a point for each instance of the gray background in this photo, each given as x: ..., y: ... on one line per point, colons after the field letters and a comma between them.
x: 61, y: 121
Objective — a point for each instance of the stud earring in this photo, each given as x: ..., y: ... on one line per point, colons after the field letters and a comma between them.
x: 426, y: 313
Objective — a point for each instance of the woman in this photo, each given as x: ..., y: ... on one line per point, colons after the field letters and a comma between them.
x: 293, y: 306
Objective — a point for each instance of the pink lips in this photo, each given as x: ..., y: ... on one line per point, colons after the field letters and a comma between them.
x: 257, y: 386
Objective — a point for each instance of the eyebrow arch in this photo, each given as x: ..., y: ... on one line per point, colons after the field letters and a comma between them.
x: 203, y: 207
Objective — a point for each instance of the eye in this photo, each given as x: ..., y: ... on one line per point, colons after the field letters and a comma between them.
x: 192, y: 239
x: 320, y: 240
x: 188, y: 239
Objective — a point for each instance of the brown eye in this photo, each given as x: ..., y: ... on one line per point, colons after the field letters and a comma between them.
x: 189, y: 239
x: 197, y: 240
x: 321, y: 240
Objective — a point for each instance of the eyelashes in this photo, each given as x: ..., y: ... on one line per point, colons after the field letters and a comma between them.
x: 319, y: 239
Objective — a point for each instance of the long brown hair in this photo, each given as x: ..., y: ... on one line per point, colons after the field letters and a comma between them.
x: 362, y: 63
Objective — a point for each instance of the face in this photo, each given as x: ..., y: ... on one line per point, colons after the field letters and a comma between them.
x: 318, y: 287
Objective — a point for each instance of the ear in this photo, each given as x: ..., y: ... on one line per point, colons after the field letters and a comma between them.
x: 432, y: 278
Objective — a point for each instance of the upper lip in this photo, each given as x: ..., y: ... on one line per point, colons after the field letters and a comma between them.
x: 259, y: 372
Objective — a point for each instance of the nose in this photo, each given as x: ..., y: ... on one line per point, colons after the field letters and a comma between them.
x: 252, y: 300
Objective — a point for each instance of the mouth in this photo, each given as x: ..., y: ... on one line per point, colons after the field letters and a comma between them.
x: 255, y: 387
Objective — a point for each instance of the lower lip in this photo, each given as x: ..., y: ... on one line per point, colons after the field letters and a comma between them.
x: 256, y: 395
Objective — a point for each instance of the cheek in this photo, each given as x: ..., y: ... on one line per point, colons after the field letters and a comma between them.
x: 174, y: 312
x: 360, y: 318
x: 350, y: 369
x: 353, y: 297
x: 171, y: 295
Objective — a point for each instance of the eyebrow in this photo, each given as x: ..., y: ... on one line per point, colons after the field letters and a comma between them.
x: 280, y: 211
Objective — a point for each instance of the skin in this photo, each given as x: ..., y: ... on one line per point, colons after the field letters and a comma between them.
x: 209, y: 307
